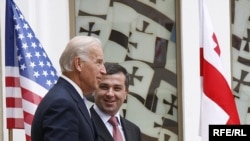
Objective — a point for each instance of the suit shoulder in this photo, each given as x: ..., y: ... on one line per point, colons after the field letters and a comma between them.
x: 128, y: 122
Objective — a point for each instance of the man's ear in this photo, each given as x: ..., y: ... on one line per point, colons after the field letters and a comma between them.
x: 78, y: 64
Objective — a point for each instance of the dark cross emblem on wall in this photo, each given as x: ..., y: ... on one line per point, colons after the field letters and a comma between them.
x: 132, y: 76
x: 91, y: 25
x: 172, y: 105
x: 241, y: 80
x: 247, y: 39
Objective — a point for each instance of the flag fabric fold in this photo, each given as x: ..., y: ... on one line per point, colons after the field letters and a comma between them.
x: 217, y: 101
x: 29, y: 73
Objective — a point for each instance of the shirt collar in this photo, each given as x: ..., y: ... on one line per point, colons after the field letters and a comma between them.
x: 78, y: 89
x: 105, y: 117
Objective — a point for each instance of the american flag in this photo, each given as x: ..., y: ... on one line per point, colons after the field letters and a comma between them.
x: 29, y: 73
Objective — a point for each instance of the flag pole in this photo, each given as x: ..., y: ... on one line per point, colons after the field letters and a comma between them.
x: 10, y: 134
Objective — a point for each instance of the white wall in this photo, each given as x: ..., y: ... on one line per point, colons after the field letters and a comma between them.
x: 190, y: 63
x: 50, y: 22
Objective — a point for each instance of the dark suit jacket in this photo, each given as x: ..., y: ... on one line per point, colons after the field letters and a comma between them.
x: 131, y: 131
x: 62, y: 116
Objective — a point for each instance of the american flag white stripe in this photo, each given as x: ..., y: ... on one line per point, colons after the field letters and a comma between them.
x: 27, y: 129
x: 14, y: 92
x: 29, y: 107
x: 12, y: 71
x: 32, y: 86
x: 14, y: 112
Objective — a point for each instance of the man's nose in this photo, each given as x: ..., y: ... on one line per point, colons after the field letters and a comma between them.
x: 110, y: 92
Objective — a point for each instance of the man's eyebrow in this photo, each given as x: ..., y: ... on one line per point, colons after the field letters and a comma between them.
x: 101, y: 84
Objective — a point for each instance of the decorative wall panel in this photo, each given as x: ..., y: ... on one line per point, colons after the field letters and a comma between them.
x: 141, y: 36
x: 241, y: 57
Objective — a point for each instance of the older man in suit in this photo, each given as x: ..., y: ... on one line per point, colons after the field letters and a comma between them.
x: 63, y: 114
x: 109, y: 97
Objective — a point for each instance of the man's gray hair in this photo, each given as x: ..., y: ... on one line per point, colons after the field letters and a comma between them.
x: 78, y: 46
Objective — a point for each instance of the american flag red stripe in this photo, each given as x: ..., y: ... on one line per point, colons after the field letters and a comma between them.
x: 12, y: 81
x: 30, y: 96
x: 28, y: 117
x: 13, y: 102
x: 29, y: 73
x: 15, y: 122
x: 14, y: 112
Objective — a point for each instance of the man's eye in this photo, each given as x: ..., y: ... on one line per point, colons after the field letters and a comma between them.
x: 99, y: 62
x: 117, y: 89
x: 103, y: 87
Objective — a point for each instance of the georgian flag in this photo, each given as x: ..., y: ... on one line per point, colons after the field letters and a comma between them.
x: 217, y: 101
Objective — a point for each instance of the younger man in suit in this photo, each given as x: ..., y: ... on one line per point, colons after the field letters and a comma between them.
x: 109, y: 97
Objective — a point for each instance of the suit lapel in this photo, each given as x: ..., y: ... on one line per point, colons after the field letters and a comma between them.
x: 102, y: 129
x: 81, y: 105
x: 84, y: 109
x: 126, y: 130
x: 85, y: 112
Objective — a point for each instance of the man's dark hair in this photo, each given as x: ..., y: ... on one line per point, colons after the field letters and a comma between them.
x: 113, y: 68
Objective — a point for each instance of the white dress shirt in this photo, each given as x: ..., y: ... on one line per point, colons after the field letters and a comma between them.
x: 105, y: 117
